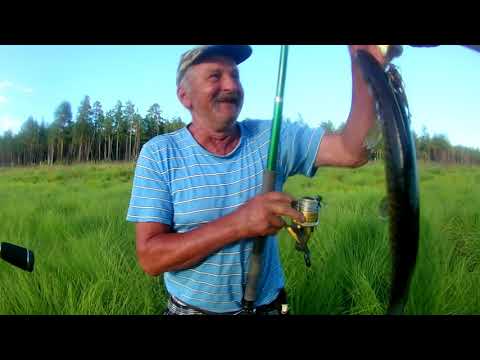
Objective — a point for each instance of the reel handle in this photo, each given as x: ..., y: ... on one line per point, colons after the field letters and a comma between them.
x: 17, y: 256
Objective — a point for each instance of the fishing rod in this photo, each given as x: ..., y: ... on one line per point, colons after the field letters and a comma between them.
x: 393, y: 51
x: 471, y: 47
x: 308, y: 206
x: 17, y: 256
x: 269, y: 177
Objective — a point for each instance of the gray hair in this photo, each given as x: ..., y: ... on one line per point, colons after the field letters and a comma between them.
x: 185, y: 81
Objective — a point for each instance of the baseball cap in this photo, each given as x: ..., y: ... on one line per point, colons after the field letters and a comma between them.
x: 238, y: 53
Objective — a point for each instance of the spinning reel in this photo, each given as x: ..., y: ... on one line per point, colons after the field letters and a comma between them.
x: 301, y: 232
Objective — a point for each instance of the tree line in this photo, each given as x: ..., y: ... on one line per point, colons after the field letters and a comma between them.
x: 119, y: 133
x: 435, y: 148
x: 92, y: 135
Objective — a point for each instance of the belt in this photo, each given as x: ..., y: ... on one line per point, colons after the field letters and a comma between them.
x: 278, y: 306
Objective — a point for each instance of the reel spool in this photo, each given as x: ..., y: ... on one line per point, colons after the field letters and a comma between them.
x: 301, y: 232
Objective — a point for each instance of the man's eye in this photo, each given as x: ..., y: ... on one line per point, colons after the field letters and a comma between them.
x: 214, y: 76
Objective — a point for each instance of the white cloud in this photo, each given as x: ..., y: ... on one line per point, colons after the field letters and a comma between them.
x: 3, y: 99
x: 9, y: 123
x: 5, y: 84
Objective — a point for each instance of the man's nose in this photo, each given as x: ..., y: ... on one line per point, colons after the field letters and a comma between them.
x: 231, y: 83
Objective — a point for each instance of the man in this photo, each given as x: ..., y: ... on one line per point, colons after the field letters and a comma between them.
x: 196, y: 196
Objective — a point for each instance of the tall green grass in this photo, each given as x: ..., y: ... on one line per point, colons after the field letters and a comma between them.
x: 73, y: 218
x: 351, y: 249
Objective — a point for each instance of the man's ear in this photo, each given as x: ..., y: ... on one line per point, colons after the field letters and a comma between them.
x: 182, y: 95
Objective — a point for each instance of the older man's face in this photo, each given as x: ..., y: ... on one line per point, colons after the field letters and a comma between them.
x: 213, y: 92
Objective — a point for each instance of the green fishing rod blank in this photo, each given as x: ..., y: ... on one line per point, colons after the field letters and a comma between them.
x: 277, y: 110
x: 268, y: 185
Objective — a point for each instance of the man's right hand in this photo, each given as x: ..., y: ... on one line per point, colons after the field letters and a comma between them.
x: 261, y: 216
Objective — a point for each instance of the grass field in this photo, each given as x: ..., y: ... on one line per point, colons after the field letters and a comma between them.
x: 73, y: 218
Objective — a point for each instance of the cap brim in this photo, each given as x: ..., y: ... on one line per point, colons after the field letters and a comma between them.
x: 239, y: 53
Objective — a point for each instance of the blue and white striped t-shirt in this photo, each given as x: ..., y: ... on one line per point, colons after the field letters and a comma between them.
x: 179, y: 183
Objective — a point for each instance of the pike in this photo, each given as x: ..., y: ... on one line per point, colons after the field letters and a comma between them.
x: 400, y: 169
x: 401, y: 174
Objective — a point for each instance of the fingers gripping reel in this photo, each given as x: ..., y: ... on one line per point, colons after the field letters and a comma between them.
x: 301, y: 232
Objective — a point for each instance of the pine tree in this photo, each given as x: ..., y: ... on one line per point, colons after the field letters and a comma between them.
x: 83, y: 129
x: 98, y: 120
x: 63, y: 124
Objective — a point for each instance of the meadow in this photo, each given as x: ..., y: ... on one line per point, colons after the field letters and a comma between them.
x: 73, y: 218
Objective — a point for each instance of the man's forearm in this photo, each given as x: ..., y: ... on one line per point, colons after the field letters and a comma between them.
x: 159, y: 250
x: 362, y: 114
x: 176, y: 251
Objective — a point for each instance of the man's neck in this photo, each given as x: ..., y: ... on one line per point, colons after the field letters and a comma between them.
x: 219, y: 142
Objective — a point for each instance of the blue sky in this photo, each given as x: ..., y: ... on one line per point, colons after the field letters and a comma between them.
x: 442, y: 83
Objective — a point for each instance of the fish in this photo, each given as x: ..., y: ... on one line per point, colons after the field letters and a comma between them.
x: 403, y: 197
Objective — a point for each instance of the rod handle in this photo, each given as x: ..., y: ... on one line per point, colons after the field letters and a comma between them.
x: 17, y: 256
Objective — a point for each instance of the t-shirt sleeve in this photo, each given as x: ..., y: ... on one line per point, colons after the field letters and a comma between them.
x: 150, y: 199
x: 298, y: 147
